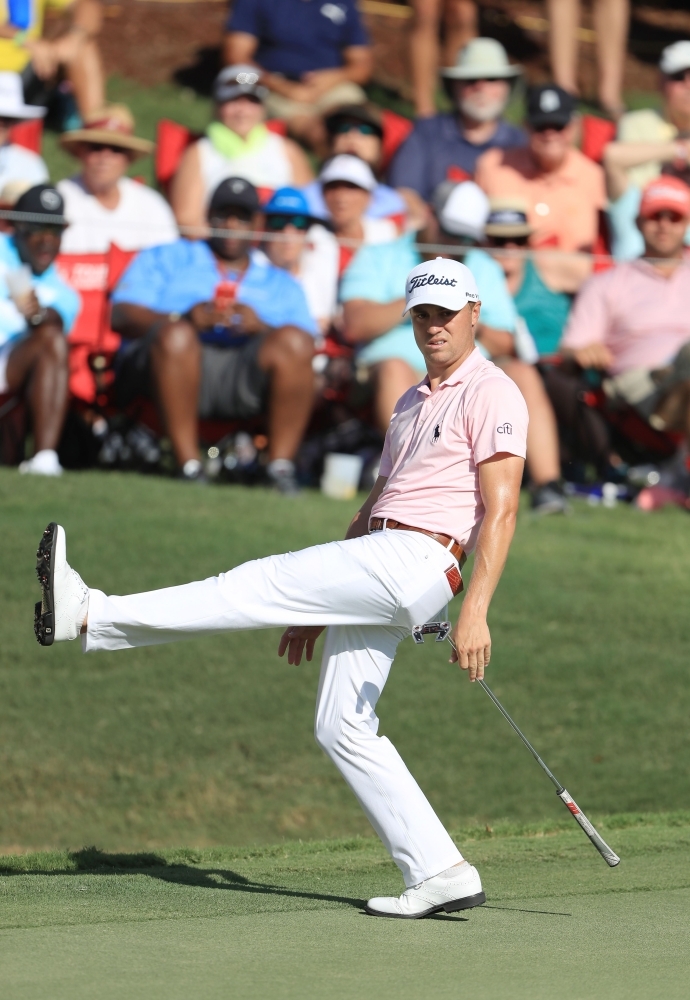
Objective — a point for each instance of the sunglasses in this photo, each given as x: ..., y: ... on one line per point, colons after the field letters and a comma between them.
x: 549, y: 128
x: 235, y: 214
x: 8, y: 122
x: 342, y: 128
x: 277, y: 223
x: 98, y: 147
x: 502, y: 241
x: 674, y: 217
x: 680, y: 77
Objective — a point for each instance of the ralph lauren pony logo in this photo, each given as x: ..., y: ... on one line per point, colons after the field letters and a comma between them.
x: 504, y: 428
x: 436, y: 436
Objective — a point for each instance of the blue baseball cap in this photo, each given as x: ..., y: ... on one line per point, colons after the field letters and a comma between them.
x: 287, y: 201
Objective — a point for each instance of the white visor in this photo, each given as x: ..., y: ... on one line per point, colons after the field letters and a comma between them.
x: 440, y: 282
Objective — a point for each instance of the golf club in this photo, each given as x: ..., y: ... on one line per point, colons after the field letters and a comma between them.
x: 442, y: 631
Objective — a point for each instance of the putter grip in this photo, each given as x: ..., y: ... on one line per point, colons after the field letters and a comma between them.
x: 609, y: 856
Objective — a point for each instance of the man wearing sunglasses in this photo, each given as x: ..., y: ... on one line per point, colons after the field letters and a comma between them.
x: 37, y: 310
x: 214, y: 330
x: 563, y: 189
x: 632, y: 322
x: 306, y: 250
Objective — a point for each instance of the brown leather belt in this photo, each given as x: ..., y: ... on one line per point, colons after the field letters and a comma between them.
x: 455, y: 549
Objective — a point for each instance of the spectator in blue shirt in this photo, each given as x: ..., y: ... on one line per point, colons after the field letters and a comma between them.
x: 447, y: 147
x: 214, y: 330
x: 314, y: 56
x: 37, y: 309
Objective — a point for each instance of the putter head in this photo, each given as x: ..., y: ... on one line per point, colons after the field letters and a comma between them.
x: 439, y: 629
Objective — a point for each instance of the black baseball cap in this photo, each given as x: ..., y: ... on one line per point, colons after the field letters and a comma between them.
x: 233, y: 192
x: 549, y: 106
x: 43, y: 200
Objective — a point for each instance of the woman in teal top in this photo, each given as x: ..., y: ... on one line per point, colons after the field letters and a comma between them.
x: 544, y: 310
x: 542, y: 289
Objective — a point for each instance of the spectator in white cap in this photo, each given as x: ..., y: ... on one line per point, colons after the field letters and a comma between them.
x: 447, y: 146
x: 347, y: 184
x: 17, y: 163
x: 237, y: 144
x: 648, y: 144
x: 463, y: 211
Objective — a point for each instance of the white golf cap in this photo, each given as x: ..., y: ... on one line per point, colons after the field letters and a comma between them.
x: 462, y: 209
x: 12, y: 99
x: 482, y: 59
x: 440, y: 282
x: 675, y: 58
x: 345, y: 167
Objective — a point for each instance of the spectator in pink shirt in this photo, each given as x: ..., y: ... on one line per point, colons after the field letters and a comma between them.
x: 633, y: 322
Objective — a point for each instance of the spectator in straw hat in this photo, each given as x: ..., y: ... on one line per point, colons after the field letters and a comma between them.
x: 447, y: 146
x: 102, y: 204
x: 237, y: 144
x: 37, y: 310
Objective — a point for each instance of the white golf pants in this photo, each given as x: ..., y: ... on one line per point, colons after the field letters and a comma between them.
x: 370, y: 591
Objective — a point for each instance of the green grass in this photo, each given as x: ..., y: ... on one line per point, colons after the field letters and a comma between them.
x: 287, y: 921
x: 210, y: 742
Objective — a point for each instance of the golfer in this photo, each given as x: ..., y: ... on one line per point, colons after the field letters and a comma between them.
x: 449, y: 484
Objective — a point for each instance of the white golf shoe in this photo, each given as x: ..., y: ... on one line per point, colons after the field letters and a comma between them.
x: 60, y: 613
x: 458, y: 888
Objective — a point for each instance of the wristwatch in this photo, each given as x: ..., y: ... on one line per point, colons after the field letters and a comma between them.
x: 38, y: 317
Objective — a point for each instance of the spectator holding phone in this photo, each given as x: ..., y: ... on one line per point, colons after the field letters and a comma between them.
x: 213, y: 329
x: 37, y: 310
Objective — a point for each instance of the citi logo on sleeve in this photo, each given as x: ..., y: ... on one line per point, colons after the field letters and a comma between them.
x: 504, y: 428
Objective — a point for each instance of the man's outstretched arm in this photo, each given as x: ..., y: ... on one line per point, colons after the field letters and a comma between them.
x: 499, y: 481
x: 296, y: 638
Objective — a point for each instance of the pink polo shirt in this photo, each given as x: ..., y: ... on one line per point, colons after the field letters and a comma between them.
x: 437, y: 439
x: 640, y: 315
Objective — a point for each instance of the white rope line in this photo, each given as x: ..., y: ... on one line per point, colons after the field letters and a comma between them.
x: 264, y: 236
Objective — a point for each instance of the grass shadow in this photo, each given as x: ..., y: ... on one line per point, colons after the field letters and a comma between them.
x: 97, y: 862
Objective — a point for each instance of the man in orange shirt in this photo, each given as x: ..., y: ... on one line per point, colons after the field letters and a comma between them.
x: 563, y: 189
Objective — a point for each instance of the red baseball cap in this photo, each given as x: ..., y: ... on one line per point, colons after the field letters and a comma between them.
x: 665, y: 194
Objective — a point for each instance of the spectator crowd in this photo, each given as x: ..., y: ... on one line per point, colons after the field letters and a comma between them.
x: 252, y: 313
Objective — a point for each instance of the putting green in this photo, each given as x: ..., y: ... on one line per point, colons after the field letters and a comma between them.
x: 287, y: 921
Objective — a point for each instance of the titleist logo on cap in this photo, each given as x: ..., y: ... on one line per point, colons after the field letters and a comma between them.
x: 430, y: 279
